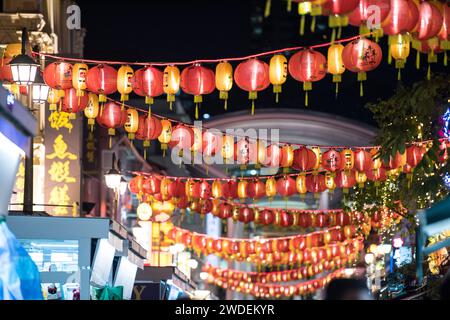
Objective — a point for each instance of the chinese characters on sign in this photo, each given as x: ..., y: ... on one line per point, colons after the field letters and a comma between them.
x: 62, y: 165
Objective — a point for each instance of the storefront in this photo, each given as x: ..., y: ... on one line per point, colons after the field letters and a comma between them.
x: 79, y: 257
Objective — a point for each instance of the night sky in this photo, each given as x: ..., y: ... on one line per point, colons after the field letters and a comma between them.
x: 187, y: 30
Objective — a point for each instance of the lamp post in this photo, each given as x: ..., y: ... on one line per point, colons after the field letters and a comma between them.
x: 24, y: 69
x: 113, y: 179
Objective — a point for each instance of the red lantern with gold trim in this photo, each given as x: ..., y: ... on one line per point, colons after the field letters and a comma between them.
x: 345, y: 180
x: 246, y: 215
x: 73, y: 103
x: 229, y: 189
x: 315, y: 183
x: 304, y: 159
x: 182, y: 137
x: 148, y: 82
x: 256, y: 189
x: 307, y: 66
x: 362, y: 160
x: 331, y: 160
x: 414, y: 155
x: 197, y: 80
x: 176, y: 189
x: 149, y: 128
x: 445, y: 30
x: 402, y: 17
x: 112, y: 117
x: 58, y: 75
x: 210, y: 143
x: 286, y: 219
x: 205, y: 190
x: 273, y: 156
x: 286, y: 186
x: 266, y: 217
x: 252, y: 76
x: 152, y: 185
x: 364, y: 12
x: 102, y: 80
x: 430, y: 21
x: 136, y: 184
x: 225, y: 211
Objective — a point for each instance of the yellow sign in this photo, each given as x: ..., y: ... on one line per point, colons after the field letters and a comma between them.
x: 60, y: 150
x: 60, y: 120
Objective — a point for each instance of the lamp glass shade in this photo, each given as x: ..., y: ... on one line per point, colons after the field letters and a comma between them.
x: 113, y: 180
x: 40, y: 92
x: 23, y: 69
x: 144, y: 211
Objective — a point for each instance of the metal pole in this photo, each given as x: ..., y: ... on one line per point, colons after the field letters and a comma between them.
x: 28, y: 188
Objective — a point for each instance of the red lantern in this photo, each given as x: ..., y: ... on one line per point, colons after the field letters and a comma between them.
x: 149, y: 128
x: 136, y: 184
x: 361, y: 15
x: 362, y: 160
x: 102, y: 80
x: 176, y: 189
x: 361, y: 55
x: 73, y: 103
x: 182, y: 137
x: 256, y: 189
x: 322, y: 220
x: 211, y: 143
x: 225, y: 211
x: 414, y: 155
x: 442, y: 153
x: 445, y: 30
x: 266, y: 217
x: 286, y: 219
x: 148, y: 82
x: 58, y: 75
x: 346, y: 180
x: 396, y: 162
x: 229, y: 189
x: 402, y: 17
x: 206, y: 206
x: 5, y: 70
x: 152, y: 185
x: 339, y: 7
x: 242, y: 152
x: 205, y: 190
x: 376, y: 175
x: 304, y: 159
x: 331, y: 160
x: 286, y: 186
x: 252, y: 76
x: 315, y: 183
x: 430, y: 21
x: 273, y: 156
x: 305, y: 220
x: 197, y: 80
x: 112, y: 116
x: 307, y: 66
x: 246, y: 215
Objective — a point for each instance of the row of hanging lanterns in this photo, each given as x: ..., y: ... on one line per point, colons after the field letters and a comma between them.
x: 252, y: 75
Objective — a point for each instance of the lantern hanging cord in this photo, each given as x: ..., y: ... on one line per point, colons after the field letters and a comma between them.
x: 266, y: 139
x: 184, y: 63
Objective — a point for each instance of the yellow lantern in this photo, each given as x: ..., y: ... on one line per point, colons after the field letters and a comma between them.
x: 197, y: 145
x: 318, y: 154
x: 348, y: 159
x: 271, y: 187
x: 399, y: 49
x: 287, y: 157
x: 329, y: 181
x: 335, y: 63
x: 164, y: 188
x: 227, y: 148
x: 79, y: 78
x: 171, y: 83
x: 144, y: 211
x: 131, y: 126
x: 14, y: 49
x: 53, y: 99
x: 300, y: 184
x: 189, y: 188
x: 277, y: 73
x: 92, y: 109
x: 216, y: 189
x: 166, y: 135
x: 124, y: 75
x: 377, y: 163
x: 242, y: 190
x: 224, y: 80
x: 261, y: 153
x: 361, y: 178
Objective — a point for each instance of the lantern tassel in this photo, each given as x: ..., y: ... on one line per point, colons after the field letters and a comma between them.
x: 196, y: 111
x: 306, y: 98
x: 361, y: 89
x: 339, y: 32
x: 225, y: 105
x: 389, y: 55
x: 253, y: 107
x: 445, y: 58
x: 122, y: 106
x: 313, y: 24
x: 170, y: 105
x: 267, y: 8
x: 276, y: 97
x: 337, y: 90
x: 333, y: 35
x: 418, y: 60
x: 302, y: 24
x: 429, y: 72
x: 149, y: 111
x: 289, y: 6
x: 399, y: 74
x: 110, y: 142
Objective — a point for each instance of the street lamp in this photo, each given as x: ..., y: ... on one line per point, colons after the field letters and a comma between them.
x: 23, y: 67
x: 123, y: 186
x: 113, y: 176
x: 40, y: 89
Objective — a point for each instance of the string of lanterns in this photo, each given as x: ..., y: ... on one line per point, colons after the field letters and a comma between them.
x: 276, y: 291
x: 309, y: 248
x: 304, y: 272
x: 349, y: 174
